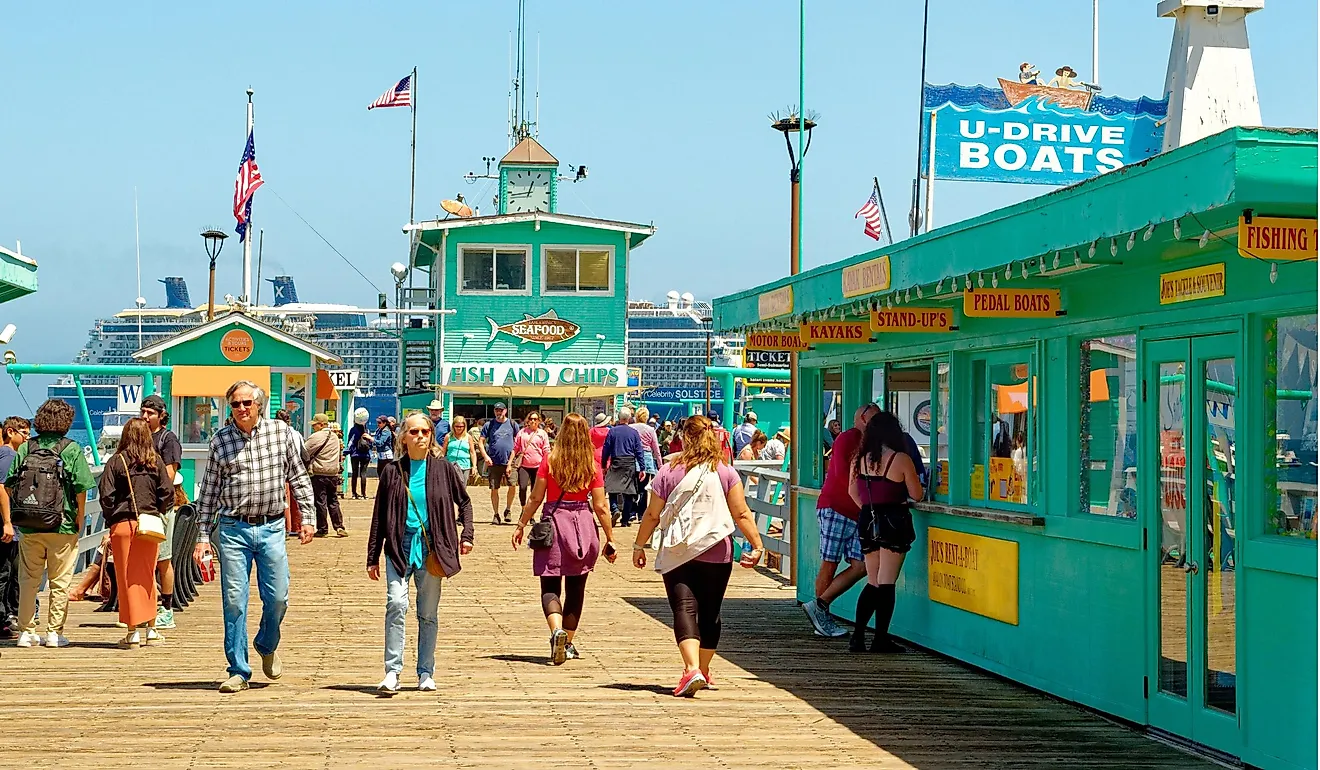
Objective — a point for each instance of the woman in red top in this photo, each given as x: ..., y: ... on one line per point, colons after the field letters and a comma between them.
x: 571, y: 480
x: 598, y: 435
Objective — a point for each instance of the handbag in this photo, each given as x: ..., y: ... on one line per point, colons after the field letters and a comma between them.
x: 542, y: 535
x: 150, y: 526
x: 691, y: 523
x: 433, y: 566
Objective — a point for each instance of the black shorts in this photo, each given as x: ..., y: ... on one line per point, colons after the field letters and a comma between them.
x: 497, y: 475
x: 886, y: 527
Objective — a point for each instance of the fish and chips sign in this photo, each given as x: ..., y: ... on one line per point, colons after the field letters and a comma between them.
x: 1277, y: 238
x: 1028, y: 132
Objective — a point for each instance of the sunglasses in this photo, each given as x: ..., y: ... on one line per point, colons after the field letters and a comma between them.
x: 419, y: 431
x: 241, y: 404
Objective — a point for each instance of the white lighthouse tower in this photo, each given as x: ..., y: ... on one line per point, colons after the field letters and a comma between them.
x: 1210, y: 83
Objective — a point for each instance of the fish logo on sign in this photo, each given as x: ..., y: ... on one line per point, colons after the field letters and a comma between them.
x: 545, y: 329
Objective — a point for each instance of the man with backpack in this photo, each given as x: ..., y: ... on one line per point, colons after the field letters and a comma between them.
x: 45, y: 498
x: 171, y: 453
x: 324, y: 455
x: 15, y: 434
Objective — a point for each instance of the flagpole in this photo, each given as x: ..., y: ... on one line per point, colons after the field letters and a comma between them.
x: 412, y: 185
x: 247, y: 233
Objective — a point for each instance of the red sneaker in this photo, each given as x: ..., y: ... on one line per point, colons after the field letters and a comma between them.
x: 689, y: 684
x: 710, y: 680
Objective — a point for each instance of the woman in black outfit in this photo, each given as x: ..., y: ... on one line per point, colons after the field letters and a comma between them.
x: 883, y: 478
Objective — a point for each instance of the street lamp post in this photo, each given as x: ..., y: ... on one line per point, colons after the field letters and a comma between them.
x: 400, y: 272
x: 215, y: 241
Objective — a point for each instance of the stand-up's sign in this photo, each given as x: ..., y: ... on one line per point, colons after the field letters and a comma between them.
x: 1033, y: 133
x: 913, y: 319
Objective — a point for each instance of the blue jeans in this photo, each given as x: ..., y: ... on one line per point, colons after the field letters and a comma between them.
x: 396, y: 609
x: 239, y: 545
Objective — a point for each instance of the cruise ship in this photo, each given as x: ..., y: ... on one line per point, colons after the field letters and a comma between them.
x: 368, y: 345
x: 667, y: 342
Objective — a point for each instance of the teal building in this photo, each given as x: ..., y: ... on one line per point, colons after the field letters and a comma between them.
x: 1115, y: 388
x: 539, y: 301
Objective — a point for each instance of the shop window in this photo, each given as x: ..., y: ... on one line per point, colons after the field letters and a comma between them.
x: 577, y: 271
x: 201, y: 418
x: 907, y: 397
x: 939, y: 467
x: 493, y: 270
x: 1290, y: 408
x: 1005, y: 400
x: 1109, y: 399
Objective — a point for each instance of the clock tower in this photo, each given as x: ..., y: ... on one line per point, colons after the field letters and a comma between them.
x: 528, y: 179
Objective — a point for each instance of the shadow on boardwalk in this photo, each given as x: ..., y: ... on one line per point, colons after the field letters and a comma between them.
x: 930, y: 712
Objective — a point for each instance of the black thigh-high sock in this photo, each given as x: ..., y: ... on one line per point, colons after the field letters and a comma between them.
x: 865, y: 608
x: 884, y: 612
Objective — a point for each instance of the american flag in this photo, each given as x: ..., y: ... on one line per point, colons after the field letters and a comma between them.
x: 870, y: 213
x: 398, y: 96
x: 249, y: 179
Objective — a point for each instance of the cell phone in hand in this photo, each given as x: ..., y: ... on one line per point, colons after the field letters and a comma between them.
x: 610, y: 550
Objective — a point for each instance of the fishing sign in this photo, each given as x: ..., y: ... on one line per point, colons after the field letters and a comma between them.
x: 1032, y: 132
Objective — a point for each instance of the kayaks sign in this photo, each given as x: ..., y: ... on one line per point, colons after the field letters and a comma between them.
x: 1032, y: 133
x: 835, y: 333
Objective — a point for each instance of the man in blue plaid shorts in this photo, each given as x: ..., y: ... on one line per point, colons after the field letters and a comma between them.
x: 837, y: 514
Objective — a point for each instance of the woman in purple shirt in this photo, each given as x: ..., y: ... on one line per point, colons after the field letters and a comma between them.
x: 696, y: 579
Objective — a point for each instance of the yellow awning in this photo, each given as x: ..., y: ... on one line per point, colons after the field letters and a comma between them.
x: 213, y: 381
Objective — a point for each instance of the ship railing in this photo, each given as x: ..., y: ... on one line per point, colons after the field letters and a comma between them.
x: 765, y: 483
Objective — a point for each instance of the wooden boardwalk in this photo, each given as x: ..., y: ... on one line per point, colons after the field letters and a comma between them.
x: 785, y: 699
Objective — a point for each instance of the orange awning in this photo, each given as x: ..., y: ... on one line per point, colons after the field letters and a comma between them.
x: 325, y: 389
x: 213, y: 381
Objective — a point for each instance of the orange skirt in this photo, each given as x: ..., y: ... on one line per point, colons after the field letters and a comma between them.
x: 135, y: 570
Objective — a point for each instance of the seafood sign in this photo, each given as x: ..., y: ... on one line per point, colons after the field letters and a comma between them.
x: 545, y: 329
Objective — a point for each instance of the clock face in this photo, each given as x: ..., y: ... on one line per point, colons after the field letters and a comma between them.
x: 529, y: 190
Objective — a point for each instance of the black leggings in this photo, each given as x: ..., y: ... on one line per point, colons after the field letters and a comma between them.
x: 526, y: 480
x: 575, y: 592
x: 696, y: 591
x: 359, y: 472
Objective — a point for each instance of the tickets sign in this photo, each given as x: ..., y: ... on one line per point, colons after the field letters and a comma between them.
x: 1192, y: 284
x: 1012, y: 303
x: 973, y: 573
x: 783, y: 340
x: 835, y: 333
x: 773, y: 304
x: 1276, y: 238
x: 913, y: 319
x: 866, y: 277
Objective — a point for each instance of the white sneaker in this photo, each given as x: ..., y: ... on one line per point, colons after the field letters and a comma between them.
x: 154, y: 637
x: 426, y: 685
x: 29, y: 639
x: 55, y: 639
x: 390, y: 684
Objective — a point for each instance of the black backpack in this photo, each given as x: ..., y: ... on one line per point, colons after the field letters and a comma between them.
x: 365, y: 444
x: 38, y: 490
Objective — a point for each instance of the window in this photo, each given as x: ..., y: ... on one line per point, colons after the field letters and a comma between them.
x: 1109, y: 387
x: 1005, y: 397
x: 939, y: 469
x: 907, y: 397
x: 200, y: 419
x: 571, y: 270
x: 1290, y: 393
x: 493, y: 269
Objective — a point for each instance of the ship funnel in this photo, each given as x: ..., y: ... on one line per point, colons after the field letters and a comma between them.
x: 176, y: 293
x: 285, y: 292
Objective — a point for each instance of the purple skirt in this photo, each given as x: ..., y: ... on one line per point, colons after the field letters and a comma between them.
x: 576, y: 544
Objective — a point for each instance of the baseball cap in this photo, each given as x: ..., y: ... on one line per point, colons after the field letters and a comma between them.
x: 154, y: 402
x: 500, y: 405
x: 320, y: 417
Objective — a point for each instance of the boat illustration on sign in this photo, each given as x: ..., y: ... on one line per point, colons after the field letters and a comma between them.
x: 1016, y: 93
x: 546, y: 329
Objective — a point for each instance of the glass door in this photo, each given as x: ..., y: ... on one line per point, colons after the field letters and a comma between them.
x: 1191, y: 403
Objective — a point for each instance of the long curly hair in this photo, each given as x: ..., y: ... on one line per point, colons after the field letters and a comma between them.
x: 136, y: 447
x: 700, y: 444
x: 573, y: 458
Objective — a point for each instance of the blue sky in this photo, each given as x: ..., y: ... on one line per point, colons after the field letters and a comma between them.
x: 666, y: 103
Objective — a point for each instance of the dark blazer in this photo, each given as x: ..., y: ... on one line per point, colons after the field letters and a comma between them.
x: 445, y: 491
x: 153, y: 491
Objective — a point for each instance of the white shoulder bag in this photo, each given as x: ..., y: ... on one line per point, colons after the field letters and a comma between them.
x: 695, y: 518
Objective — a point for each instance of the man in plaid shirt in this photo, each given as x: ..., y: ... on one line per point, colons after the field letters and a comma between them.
x: 241, y: 506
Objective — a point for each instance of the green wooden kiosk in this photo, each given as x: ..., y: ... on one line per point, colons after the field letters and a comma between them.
x: 1114, y: 386
x: 208, y: 358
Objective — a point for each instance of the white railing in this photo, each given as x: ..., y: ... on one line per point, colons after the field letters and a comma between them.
x: 766, y: 486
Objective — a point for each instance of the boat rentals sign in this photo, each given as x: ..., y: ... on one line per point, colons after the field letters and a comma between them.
x: 1033, y: 131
